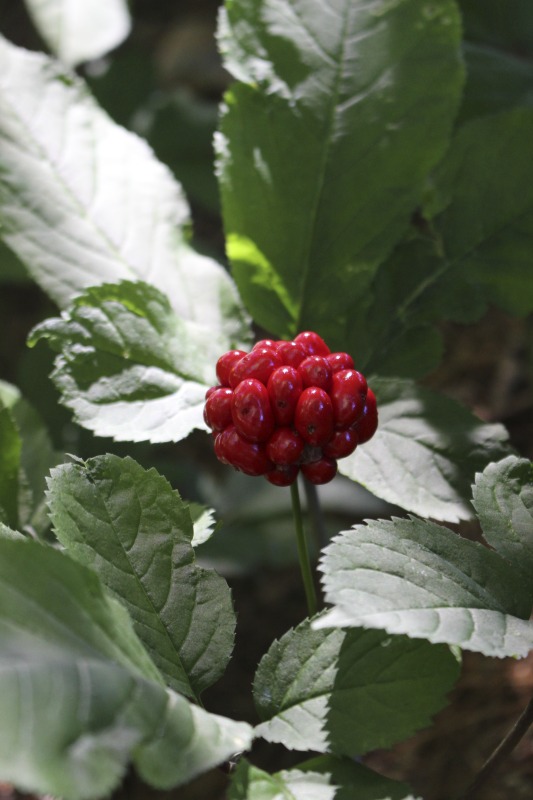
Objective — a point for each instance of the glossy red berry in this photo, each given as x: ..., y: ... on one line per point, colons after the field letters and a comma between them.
x: 315, y: 371
x: 320, y: 472
x: 338, y: 361
x: 284, y: 389
x: 312, y: 343
x: 225, y: 364
x: 283, y: 475
x: 265, y: 343
x: 211, y: 390
x: 258, y: 364
x: 291, y: 353
x: 217, y: 409
x: 367, y: 424
x: 348, y: 396
x: 342, y: 443
x: 248, y: 457
x: 313, y: 418
x: 251, y: 411
x: 285, y: 446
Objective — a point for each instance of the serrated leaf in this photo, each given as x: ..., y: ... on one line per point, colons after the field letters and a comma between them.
x: 420, y: 579
x: 252, y: 783
x: 134, y: 530
x: 78, y: 31
x: 341, y: 87
x: 129, y: 367
x: 85, y: 202
x: 425, y: 451
x: 348, y: 692
x: 354, y: 780
x: 79, y: 696
x: 503, y: 499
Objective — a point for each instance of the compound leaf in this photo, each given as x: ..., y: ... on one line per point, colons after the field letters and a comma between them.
x: 425, y: 451
x: 337, y: 85
x: 134, y: 530
x: 348, y: 692
x: 77, y: 31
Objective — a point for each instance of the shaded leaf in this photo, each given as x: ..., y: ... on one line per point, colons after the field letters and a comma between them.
x: 79, y: 696
x: 348, y: 692
x: 134, y: 530
x: 425, y: 451
x: 10, y: 449
x: 77, y: 31
x: 356, y: 781
x: 339, y: 86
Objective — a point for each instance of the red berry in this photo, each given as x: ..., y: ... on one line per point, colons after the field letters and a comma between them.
x: 322, y: 471
x: 258, y: 364
x: 284, y: 388
x: 225, y: 364
x: 284, y: 447
x: 312, y: 343
x: 217, y: 409
x: 291, y: 353
x: 283, y: 475
x: 313, y: 418
x: 348, y: 395
x: 211, y: 390
x: 338, y: 361
x: 315, y: 371
x: 265, y: 343
x: 342, y: 444
x: 251, y: 411
x: 367, y: 423
x: 248, y: 457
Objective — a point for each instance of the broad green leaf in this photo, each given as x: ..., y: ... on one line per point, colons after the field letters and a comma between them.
x: 348, y: 692
x: 425, y: 451
x: 339, y: 86
x: 483, y: 216
x: 418, y: 578
x: 78, y: 31
x: 508, y: 26
x: 322, y: 778
x: 496, y: 80
x: 37, y: 456
x: 503, y: 499
x: 79, y: 696
x: 85, y: 202
x: 10, y: 449
x: 129, y: 367
x: 133, y: 529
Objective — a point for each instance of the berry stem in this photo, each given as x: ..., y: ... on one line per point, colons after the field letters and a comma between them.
x: 303, y: 552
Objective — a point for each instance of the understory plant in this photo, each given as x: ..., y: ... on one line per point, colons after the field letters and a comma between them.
x: 374, y: 181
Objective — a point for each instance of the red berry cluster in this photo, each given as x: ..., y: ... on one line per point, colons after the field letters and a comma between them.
x: 289, y: 406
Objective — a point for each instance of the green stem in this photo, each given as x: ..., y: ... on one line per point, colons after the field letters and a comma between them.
x: 303, y: 552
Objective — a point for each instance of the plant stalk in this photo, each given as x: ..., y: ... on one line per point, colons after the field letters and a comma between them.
x: 499, y: 755
x: 303, y: 551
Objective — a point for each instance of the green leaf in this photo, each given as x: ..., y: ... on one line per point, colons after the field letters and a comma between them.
x: 503, y: 499
x: 77, y: 31
x: 10, y: 449
x: 134, y: 530
x: 425, y: 451
x: 129, y: 367
x: 204, y: 523
x: 496, y: 80
x: 37, y: 456
x: 79, y: 696
x: 418, y: 578
x: 339, y: 86
x: 322, y: 778
x: 85, y: 202
x: 348, y: 692
x: 483, y: 210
